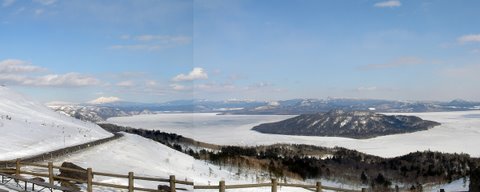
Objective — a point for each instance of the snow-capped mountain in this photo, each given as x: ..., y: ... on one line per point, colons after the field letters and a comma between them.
x: 28, y: 128
x: 105, y: 107
x: 304, y: 106
x: 95, y: 113
x: 353, y: 124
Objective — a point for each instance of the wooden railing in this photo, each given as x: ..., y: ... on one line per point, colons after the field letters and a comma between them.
x: 274, y: 186
x: 90, y: 174
x: 221, y: 187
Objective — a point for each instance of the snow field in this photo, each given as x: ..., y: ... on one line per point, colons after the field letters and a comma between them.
x: 458, y: 133
x: 29, y: 128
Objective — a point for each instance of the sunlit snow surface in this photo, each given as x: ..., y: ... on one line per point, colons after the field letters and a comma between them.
x: 28, y: 128
x: 146, y: 157
x: 459, y: 132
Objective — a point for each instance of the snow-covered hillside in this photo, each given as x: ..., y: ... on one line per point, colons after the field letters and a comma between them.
x: 149, y: 158
x: 28, y: 128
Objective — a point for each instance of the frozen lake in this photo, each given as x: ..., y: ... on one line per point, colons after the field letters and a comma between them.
x: 459, y: 132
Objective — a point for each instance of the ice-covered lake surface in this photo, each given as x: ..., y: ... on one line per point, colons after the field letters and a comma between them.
x: 459, y: 132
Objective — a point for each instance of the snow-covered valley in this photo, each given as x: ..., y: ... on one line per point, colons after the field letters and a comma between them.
x: 29, y: 128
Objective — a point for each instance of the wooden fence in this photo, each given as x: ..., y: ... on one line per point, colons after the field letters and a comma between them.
x: 51, y: 168
x: 221, y: 187
x: 90, y: 174
x: 274, y: 184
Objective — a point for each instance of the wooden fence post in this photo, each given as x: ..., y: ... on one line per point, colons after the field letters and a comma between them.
x: 17, y: 167
x: 172, y: 183
x: 319, y: 187
x: 130, y: 181
x: 89, y: 180
x: 50, y: 173
x: 274, y: 185
x: 442, y: 190
x: 222, y: 186
x: 364, y: 189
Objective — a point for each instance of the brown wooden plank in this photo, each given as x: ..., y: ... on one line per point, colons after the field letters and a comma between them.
x: 152, y: 179
x: 109, y: 185
x: 206, y: 187
x: 34, y: 174
x: 110, y: 174
x: 241, y: 186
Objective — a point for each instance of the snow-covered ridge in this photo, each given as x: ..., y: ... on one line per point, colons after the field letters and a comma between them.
x: 28, y: 127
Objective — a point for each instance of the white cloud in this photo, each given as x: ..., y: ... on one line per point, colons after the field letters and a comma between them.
x: 7, y: 3
x: 68, y: 79
x: 125, y: 37
x: 164, y: 38
x: 391, y: 3
x: 152, y: 42
x: 126, y: 84
x: 469, y: 38
x: 46, y: 2
x: 18, y: 66
x: 39, y: 11
x: 462, y: 72
x: 399, y: 62
x: 19, y: 72
x: 260, y: 85
x: 151, y: 83
x: 178, y: 87
x: 59, y: 103
x: 138, y: 47
x: 475, y: 51
x: 373, y: 88
x: 55, y: 80
x: 196, y: 74
x: 215, y: 87
x: 102, y: 100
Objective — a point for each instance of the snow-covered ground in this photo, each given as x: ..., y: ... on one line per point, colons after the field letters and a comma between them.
x: 457, y: 185
x: 145, y: 157
x: 458, y: 133
x: 29, y: 128
x: 149, y: 158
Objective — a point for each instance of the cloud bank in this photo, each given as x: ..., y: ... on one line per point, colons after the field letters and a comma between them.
x: 196, y: 74
x: 388, y: 4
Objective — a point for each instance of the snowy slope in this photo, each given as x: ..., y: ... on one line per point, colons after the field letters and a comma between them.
x: 28, y: 128
x: 149, y: 158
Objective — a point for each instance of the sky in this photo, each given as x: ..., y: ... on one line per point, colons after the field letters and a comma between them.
x: 162, y: 50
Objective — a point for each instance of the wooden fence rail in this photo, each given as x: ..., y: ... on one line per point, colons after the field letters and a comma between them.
x: 49, y: 169
x: 221, y: 187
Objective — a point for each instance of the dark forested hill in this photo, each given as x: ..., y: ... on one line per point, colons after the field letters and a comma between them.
x: 353, y: 124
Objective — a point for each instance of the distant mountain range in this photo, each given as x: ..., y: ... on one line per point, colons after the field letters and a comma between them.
x: 101, y: 111
x: 305, y: 106
x: 353, y: 124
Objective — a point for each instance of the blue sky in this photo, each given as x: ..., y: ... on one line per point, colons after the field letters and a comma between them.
x: 154, y: 51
